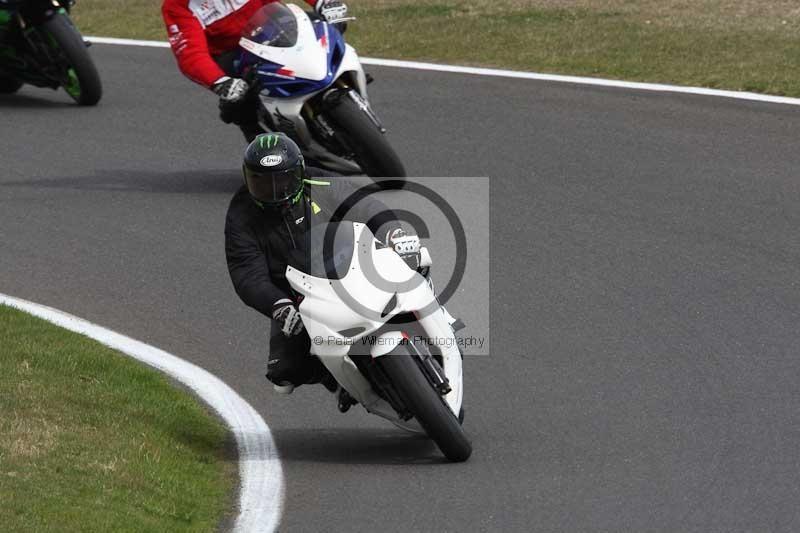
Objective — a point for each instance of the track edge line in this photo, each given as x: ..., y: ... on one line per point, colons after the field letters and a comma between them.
x: 520, y: 74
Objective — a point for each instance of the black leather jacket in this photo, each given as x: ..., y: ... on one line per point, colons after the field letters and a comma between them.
x: 260, y: 243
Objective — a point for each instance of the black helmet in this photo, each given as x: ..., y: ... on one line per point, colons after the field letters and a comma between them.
x: 273, y: 170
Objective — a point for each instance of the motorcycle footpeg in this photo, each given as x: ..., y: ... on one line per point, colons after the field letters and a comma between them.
x: 370, y: 79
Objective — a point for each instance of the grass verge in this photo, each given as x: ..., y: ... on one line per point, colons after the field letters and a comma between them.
x: 749, y: 45
x: 91, y: 440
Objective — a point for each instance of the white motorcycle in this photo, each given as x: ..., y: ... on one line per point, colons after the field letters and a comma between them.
x: 312, y: 87
x: 378, y: 328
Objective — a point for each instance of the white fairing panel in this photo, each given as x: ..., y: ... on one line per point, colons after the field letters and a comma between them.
x: 351, y: 63
x: 308, y: 58
x: 354, y: 303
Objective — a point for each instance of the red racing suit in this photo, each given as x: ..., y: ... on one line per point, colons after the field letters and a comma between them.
x: 200, y: 29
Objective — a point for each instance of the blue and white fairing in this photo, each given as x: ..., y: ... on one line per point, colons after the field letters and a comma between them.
x: 289, y: 55
x: 292, y: 59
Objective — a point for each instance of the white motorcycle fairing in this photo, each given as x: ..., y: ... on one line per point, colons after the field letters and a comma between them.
x: 307, y: 59
x: 329, y: 318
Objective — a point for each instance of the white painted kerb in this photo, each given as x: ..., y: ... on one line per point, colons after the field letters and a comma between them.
x: 518, y: 74
x: 260, y: 474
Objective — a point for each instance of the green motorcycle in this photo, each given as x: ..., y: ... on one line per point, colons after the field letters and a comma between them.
x: 40, y: 45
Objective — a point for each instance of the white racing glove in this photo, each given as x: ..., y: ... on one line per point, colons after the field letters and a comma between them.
x: 230, y: 90
x: 285, y: 313
x: 333, y: 11
x: 407, y: 246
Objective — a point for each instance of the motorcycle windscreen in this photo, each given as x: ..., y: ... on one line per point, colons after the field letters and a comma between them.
x: 272, y: 25
x: 331, y: 249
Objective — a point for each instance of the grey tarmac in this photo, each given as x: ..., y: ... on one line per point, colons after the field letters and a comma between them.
x: 644, y: 293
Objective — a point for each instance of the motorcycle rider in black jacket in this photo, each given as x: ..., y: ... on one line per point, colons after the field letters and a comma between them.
x: 265, y: 231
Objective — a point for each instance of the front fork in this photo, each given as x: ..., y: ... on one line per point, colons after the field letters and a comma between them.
x: 340, y: 89
x: 447, y: 377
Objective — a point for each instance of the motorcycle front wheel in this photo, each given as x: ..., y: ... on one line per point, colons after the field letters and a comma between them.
x: 79, y: 75
x: 371, y: 149
x: 427, y: 405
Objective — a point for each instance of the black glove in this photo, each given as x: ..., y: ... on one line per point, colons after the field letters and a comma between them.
x: 407, y: 246
x: 232, y: 94
x: 230, y: 89
x: 285, y: 313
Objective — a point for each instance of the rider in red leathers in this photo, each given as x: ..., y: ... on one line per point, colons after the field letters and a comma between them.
x: 204, y: 35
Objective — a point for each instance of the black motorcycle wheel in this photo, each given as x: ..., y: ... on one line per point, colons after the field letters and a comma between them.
x: 80, y: 78
x: 9, y: 85
x: 371, y: 150
x: 427, y: 405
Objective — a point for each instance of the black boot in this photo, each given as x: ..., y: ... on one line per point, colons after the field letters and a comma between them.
x: 345, y: 401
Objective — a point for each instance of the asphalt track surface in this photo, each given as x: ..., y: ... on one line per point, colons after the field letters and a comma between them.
x: 645, y: 260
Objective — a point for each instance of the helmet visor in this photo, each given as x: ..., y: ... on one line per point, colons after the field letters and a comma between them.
x: 273, y: 188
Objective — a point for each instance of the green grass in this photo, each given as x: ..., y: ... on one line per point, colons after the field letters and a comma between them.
x: 734, y: 44
x: 92, y: 441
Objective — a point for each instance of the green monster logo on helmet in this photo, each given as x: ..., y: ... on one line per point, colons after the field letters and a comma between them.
x: 271, y: 139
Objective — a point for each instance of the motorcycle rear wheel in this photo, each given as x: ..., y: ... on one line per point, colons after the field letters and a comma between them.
x: 80, y: 79
x: 427, y: 405
x: 371, y: 149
